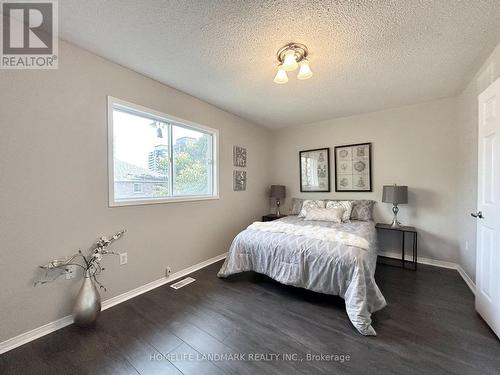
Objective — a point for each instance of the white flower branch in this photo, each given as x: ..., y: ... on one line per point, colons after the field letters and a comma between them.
x: 91, y: 263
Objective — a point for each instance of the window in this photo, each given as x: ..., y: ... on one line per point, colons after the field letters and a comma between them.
x: 138, y: 188
x: 157, y: 158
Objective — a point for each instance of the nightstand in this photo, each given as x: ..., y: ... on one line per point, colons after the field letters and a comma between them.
x: 404, y: 230
x: 271, y: 217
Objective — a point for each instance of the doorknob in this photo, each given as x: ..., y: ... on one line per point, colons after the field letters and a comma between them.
x: 479, y: 215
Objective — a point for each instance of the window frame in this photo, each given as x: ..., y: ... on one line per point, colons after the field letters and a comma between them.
x: 112, y: 103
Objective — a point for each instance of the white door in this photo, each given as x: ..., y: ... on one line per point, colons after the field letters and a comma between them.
x: 488, y: 205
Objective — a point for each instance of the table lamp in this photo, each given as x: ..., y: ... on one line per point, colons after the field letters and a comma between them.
x: 277, y: 192
x: 395, y: 194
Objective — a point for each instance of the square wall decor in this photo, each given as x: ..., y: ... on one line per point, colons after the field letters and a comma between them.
x: 239, y: 180
x: 239, y: 156
x: 353, y: 170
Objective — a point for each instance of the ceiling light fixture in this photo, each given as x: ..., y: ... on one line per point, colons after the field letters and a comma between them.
x: 291, y: 57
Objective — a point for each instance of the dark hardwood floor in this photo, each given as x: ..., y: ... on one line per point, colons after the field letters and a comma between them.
x: 428, y: 327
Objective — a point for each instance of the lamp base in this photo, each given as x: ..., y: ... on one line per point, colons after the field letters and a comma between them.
x: 395, y: 223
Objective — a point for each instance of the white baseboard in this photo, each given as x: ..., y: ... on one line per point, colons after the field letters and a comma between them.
x: 26, y: 337
x: 436, y: 263
x: 466, y: 278
x: 155, y: 284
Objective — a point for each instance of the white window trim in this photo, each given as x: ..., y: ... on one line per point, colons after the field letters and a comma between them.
x: 115, y: 102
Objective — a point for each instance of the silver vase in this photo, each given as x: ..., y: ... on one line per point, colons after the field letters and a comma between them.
x: 88, y: 303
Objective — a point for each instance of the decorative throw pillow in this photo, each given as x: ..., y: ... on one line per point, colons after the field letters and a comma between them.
x: 346, y: 205
x: 362, y: 210
x: 308, y: 204
x: 325, y: 214
x: 296, y: 206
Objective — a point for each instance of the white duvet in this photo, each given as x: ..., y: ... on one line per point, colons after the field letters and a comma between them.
x: 312, y: 231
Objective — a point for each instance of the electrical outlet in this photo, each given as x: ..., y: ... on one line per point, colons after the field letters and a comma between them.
x: 466, y: 245
x: 168, y: 271
x: 123, y: 258
x: 70, y: 272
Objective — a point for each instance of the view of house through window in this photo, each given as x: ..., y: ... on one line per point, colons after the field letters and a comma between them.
x: 155, y: 159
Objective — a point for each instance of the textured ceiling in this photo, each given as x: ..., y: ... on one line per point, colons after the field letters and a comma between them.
x: 365, y: 55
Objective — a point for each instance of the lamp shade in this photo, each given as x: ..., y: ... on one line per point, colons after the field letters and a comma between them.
x: 290, y: 61
x: 395, y: 194
x: 281, y: 76
x: 277, y: 191
x: 305, y: 71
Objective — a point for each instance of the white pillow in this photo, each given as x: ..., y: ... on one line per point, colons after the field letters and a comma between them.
x: 325, y: 214
x: 346, y: 205
x: 308, y: 204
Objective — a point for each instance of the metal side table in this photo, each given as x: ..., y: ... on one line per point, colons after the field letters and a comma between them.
x: 404, y: 230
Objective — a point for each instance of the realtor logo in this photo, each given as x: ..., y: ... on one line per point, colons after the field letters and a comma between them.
x: 29, y: 34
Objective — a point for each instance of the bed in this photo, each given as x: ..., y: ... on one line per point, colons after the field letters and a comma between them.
x: 321, y: 256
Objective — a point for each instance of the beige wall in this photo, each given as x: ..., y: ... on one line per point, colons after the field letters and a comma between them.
x: 413, y: 145
x: 467, y: 120
x: 53, y: 179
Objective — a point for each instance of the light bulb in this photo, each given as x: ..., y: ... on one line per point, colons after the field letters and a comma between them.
x: 290, y: 61
x: 305, y: 71
x: 281, y: 76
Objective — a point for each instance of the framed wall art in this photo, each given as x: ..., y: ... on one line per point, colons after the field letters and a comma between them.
x: 239, y: 156
x: 353, y: 167
x: 239, y: 180
x: 315, y: 170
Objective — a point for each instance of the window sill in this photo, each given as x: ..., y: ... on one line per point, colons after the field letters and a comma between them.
x: 143, y: 202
